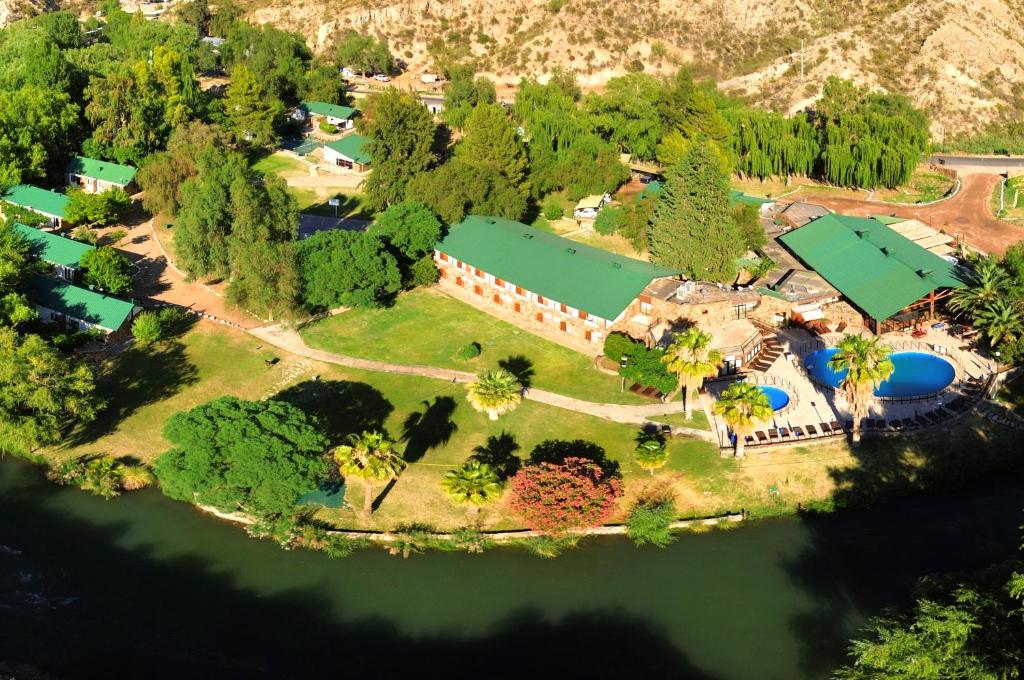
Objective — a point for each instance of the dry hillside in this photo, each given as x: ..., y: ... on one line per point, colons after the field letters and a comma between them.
x: 962, y: 60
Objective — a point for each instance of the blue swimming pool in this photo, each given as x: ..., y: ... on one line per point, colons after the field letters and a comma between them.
x: 916, y: 374
x: 778, y: 397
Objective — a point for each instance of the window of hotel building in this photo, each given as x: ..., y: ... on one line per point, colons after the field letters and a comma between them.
x: 519, y: 291
x: 583, y: 315
x: 562, y: 326
x: 498, y: 282
x: 563, y: 308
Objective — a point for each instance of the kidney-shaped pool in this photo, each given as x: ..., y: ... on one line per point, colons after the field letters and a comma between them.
x: 916, y: 374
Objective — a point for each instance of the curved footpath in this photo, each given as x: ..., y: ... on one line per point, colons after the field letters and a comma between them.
x: 289, y: 340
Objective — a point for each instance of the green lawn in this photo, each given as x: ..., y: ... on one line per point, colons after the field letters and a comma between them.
x: 699, y: 420
x: 280, y: 164
x: 924, y: 186
x: 428, y: 327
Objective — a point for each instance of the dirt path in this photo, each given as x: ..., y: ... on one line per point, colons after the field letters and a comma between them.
x: 968, y: 214
x: 157, y: 280
x: 289, y: 340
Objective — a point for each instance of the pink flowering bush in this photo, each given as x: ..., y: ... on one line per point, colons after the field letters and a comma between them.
x: 554, y: 497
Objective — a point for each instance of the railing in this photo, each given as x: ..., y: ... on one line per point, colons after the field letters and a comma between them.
x: 776, y: 381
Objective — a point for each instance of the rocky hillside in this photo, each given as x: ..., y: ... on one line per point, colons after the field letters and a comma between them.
x: 961, y: 60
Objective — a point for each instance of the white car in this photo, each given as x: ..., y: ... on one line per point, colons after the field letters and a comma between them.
x: 382, y: 77
x: 347, y: 72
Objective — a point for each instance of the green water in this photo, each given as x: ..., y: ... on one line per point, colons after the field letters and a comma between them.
x: 141, y: 586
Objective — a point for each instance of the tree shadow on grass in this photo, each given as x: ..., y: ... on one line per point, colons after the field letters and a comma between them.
x: 500, y: 454
x: 137, y: 377
x: 428, y: 429
x: 341, y: 407
x: 557, y: 450
x: 520, y: 367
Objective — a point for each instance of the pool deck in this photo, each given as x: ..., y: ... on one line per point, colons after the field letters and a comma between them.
x: 811, y: 404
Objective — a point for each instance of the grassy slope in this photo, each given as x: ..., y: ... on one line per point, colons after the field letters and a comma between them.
x: 427, y: 327
x: 440, y: 431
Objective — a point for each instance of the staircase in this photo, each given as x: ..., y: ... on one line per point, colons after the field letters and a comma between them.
x: 770, y: 351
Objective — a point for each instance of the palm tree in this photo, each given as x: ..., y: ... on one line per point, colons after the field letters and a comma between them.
x: 999, y: 321
x: 691, y: 358
x: 474, y: 485
x: 986, y: 284
x: 743, y: 407
x: 650, y: 451
x: 495, y: 392
x: 867, y: 365
x: 371, y: 456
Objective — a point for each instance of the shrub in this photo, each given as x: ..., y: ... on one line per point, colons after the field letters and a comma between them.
x: 552, y: 209
x: 422, y: 272
x: 327, y: 127
x: 608, y: 220
x: 135, y: 477
x: 470, y: 351
x: 85, y: 235
x: 649, y: 523
x: 617, y: 344
x: 555, y: 497
x: 644, y: 366
x: 146, y: 329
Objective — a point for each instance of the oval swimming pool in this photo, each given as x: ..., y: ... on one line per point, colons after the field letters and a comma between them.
x: 916, y: 374
x: 778, y: 397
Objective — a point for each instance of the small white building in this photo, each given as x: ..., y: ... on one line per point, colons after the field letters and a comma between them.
x: 95, y: 176
x: 342, y: 117
x: 348, y: 153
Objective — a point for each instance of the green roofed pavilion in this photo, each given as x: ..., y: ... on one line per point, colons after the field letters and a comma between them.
x: 736, y: 196
x: 598, y: 282
x: 352, y: 147
x: 95, y: 309
x: 53, y: 248
x: 330, y: 110
x: 877, y: 269
x: 36, y: 199
x: 105, y: 171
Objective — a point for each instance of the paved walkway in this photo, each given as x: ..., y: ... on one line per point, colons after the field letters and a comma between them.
x: 289, y: 340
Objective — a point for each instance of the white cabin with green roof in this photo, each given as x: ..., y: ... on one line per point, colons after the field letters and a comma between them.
x: 95, y: 176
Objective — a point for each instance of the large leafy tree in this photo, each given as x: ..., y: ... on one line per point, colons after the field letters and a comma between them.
x: 252, y: 112
x: 107, y: 270
x: 347, y: 268
x: 490, y: 140
x: 867, y: 364
x: 96, y: 209
x: 457, y: 189
x: 42, y: 392
x: 744, y: 408
x: 205, y: 218
x: 463, y: 92
x: 363, y: 53
x: 692, y: 228
x: 165, y: 172
x: 558, y: 497
x: 264, y: 274
x: 401, y: 133
x: 474, y: 485
x: 651, y: 453
x: 691, y: 358
x: 628, y: 113
x: 495, y: 393
x: 278, y: 60
x: 255, y: 456
x: 411, y: 230
x: 14, y: 256
x: 37, y: 129
x: 372, y: 458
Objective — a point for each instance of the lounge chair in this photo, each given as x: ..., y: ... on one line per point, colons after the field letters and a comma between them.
x: 749, y: 440
x: 811, y: 431
x: 762, y: 438
x: 825, y: 428
x: 798, y: 432
x: 785, y: 433
x: 773, y: 434
x: 896, y: 424
x: 836, y: 427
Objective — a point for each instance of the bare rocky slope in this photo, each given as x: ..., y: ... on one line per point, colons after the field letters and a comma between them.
x: 961, y: 60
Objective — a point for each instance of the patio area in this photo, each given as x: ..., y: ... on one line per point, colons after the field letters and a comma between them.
x: 816, y: 411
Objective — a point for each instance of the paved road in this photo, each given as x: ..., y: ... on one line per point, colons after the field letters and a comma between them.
x: 971, y: 164
x: 968, y: 214
x: 289, y: 340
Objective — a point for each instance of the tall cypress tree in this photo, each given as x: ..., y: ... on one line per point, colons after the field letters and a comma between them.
x: 692, y: 228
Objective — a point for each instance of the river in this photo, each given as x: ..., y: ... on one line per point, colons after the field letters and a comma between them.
x: 145, y: 587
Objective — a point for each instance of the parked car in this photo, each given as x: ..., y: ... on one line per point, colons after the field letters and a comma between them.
x: 647, y: 179
x: 428, y: 78
x: 347, y: 72
x: 382, y: 77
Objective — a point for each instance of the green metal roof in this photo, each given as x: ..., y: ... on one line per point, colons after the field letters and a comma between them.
x: 877, y: 269
x: 81, y: 303
x: 597, y: 281
x: 325, y: 109
x: 888, y: 219
x: 52, y: 247
x: 736, y: 196
x: 40, y: 200
x: 102, y: 170
x: 352, y: 147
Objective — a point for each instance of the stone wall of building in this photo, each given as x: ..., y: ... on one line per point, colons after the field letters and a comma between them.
x: 548, y: 318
